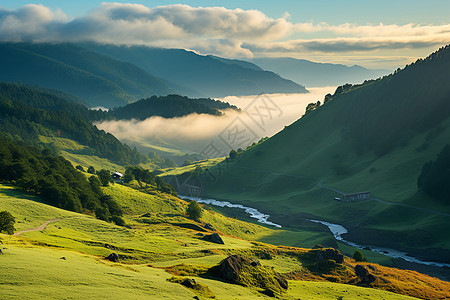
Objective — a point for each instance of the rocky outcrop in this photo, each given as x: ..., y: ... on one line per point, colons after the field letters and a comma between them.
x: 189, y: 283
x: 328, y: 253
x: 230, y: 268
x: 214, y: 238
x: 113, y: 257
x: 364, y: 275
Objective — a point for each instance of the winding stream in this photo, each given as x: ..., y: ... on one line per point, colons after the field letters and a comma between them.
x: 336, y: 230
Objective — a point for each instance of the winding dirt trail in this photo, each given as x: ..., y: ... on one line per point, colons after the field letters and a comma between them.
x: 37, y: 228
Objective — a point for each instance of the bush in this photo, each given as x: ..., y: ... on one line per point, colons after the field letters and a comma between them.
x: 358, y: 256
x: 7, y: 222
x: 194, y: 211
x: 80, y: 168
x: 91, y: 170
x: 118, y: 220
x: 104, y: 176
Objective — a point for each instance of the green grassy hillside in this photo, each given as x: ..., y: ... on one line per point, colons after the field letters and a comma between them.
x: 66, y: 258
x: 375, y: 137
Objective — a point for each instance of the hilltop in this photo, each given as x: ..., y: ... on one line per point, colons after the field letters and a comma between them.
x: 170, y: 106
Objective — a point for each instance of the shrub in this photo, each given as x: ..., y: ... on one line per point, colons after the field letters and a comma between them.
x: 358, y: 256
x: 194, y: 211
x: 104, y: 176
x: 7, y: 222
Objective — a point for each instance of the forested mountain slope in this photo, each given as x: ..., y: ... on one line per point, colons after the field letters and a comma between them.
x: 212, y: 76
x: 98, y: 79
x: 373, y: 137
x: 27, y: 113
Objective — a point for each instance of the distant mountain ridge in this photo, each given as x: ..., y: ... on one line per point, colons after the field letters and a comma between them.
x: 313, y: 74
x: 211, y: 76
x: 98, y: 79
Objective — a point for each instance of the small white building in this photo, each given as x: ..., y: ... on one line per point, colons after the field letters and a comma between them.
x: 117, y: 175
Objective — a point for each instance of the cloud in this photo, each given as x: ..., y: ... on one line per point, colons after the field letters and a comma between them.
x: 213, y: 30
x: 360, y: 44
x: 194, y: 132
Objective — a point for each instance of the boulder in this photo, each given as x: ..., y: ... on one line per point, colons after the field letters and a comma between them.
x: 209, y: 227
x: 329, y: 253
x: 231, y: 267
x: 214, y: 238
x: 189, y: 283
x: 113, y: 257
x: 364, y: 275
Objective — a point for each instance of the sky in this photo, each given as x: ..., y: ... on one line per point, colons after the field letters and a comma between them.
x: 375, y: 34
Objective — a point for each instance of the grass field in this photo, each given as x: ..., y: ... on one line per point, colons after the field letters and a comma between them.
x: 33, y: 266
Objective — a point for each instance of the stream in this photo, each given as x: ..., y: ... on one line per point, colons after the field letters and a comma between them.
x: 336, y: 230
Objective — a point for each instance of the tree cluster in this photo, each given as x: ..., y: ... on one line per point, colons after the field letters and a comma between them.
x: 54, y: 178
x: 145, y: 176
x: 435, y: 177
x: 170, y: 106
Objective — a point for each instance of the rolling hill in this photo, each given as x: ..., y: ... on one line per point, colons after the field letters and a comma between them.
x: 170, y: 106
x: 160, y: 248
x: 313, y: 74
x: 98, y: 79
x: 372, y: 137
x: 211, y: 76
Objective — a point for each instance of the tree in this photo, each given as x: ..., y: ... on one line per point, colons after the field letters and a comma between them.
x: 80, y: 168
x: 194, y: 211
x: 7, y: 222
x: 104, y: 176
x: 358, y: 256
x: 233, y: 154
x: 91, y: 170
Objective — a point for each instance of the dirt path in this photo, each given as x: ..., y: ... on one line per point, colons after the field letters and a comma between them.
x: 38, y: 228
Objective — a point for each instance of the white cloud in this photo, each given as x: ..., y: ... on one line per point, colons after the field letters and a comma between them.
x: 194, y: 132
x: 212, y: 30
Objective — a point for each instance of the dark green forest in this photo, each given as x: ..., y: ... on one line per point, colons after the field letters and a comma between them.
x: 26, y: 112
x: 402, y: 113
x: 41, y: 172
x: 435, y: 176
x: 170, y: 106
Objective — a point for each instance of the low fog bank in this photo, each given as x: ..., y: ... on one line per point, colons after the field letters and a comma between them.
x: 261, y: 116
